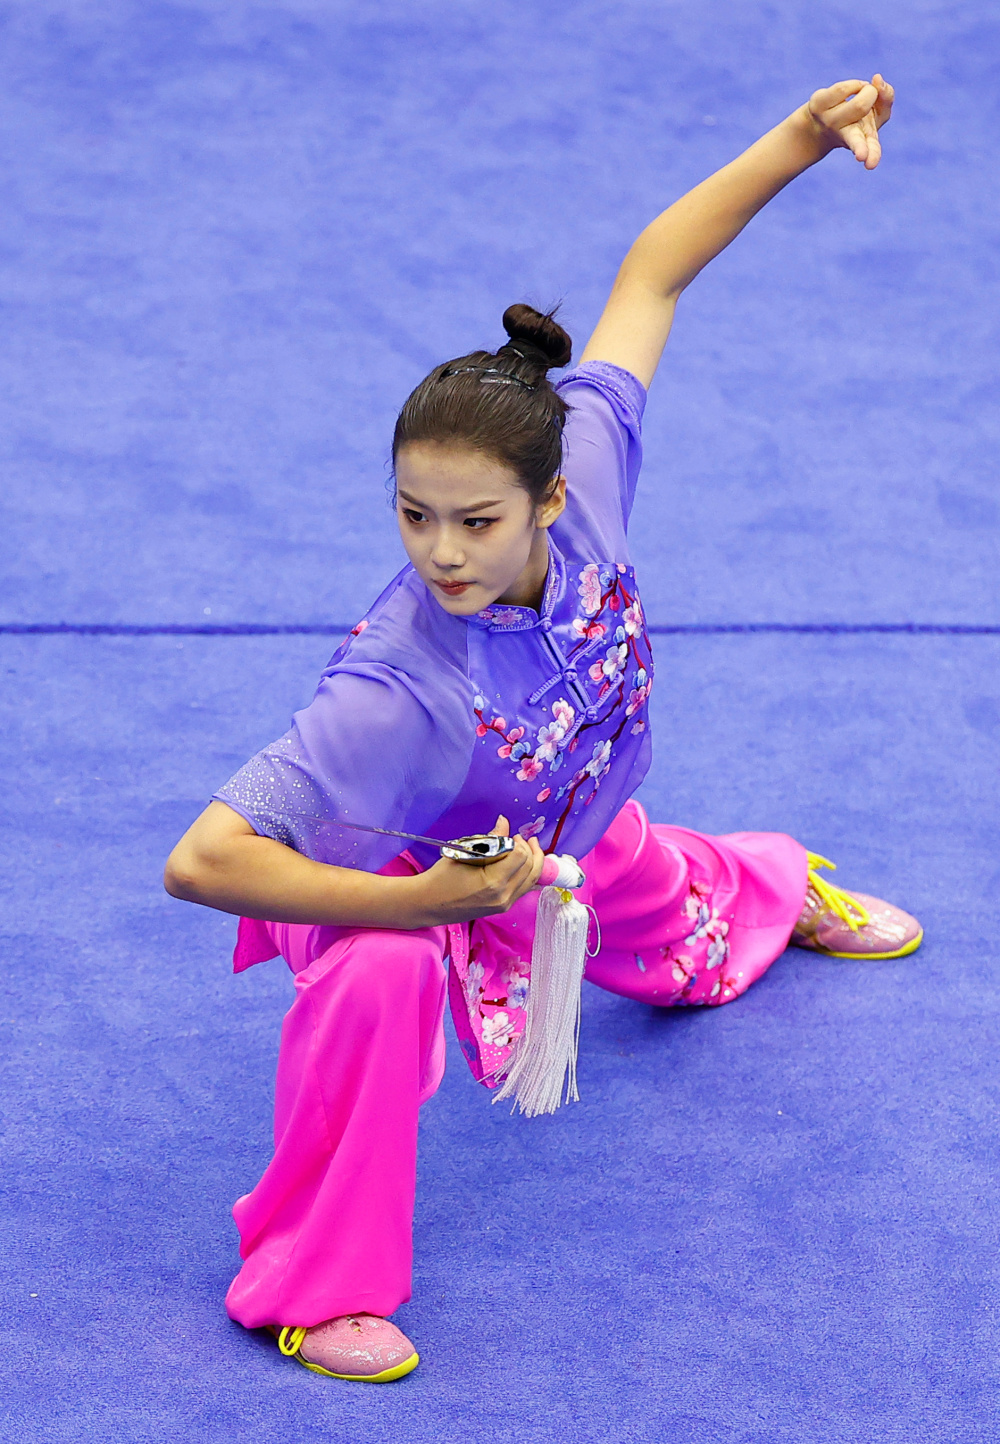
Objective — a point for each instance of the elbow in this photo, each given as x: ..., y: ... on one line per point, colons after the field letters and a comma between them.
x: 207, y: 861
x: 182, y: 877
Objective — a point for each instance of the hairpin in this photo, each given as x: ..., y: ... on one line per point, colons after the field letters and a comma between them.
x: 491, y: 376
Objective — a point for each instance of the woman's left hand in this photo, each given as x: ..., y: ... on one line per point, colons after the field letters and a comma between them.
x: 850, y: 114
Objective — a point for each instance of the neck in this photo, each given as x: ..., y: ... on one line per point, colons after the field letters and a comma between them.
x: 529, y: 588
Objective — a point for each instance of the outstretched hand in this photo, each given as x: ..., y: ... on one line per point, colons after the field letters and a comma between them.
x: 851, y: 113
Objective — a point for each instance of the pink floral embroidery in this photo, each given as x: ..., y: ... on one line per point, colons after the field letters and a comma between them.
x: 718, y: 947
x: 473, y: 984
x: 632, y: 619
x: 723, y: 991
x: 532, y: 829
x: 591, y: 631
x: 590, y: 589
x: 563, y: 713
x: 683, y: 970
x: 498, y: 1029
x: 639, y: 693
x: 513, y: 736
x: 502, y: 616
x: 517, y: 984
x: 551, y: 739
x: 697, y: 893
x: 609, y: 609
x: 608, y: 671
x: 707, y: 925
x: 599, y: 763
x: 548, y: 742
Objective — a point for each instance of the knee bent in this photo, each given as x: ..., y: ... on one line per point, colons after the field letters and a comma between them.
x: 377, y: 969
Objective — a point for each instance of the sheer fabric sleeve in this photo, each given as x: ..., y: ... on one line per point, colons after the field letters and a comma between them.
x: 374, y: 746
x: 602, y: 454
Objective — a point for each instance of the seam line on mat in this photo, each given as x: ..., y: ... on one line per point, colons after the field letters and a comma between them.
x: 316, y: 629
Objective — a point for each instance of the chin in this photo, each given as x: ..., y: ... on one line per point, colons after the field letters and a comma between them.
x: 465, y: 606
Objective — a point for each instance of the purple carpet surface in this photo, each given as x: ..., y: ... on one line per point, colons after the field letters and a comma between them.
x: 235, y: 235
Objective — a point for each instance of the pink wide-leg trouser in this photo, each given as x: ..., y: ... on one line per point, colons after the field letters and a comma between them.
x: 328, y: 1229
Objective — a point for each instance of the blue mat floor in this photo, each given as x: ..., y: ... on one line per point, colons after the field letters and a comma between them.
x: 235, y: 236
x: 774, y: 1221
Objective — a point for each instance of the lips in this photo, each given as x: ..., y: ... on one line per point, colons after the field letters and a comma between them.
x: 453, y: 589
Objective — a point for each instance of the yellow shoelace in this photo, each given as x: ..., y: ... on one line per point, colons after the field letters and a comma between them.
x: 290, y: 1341
x: 835, y: 899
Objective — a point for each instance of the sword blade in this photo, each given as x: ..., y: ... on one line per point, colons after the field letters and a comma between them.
x: 387, y: 832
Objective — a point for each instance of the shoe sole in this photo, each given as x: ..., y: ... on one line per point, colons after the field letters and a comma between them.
x: 398, y: 1371
x: 903, y: 952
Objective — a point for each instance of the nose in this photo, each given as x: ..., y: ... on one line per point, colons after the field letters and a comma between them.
x: 447, y: 553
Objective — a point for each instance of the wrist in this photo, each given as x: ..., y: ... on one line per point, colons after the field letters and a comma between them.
x: 418, y: 902
x: 813, y: 139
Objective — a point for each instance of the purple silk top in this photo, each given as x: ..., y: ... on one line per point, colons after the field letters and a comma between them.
x: 434, y: 724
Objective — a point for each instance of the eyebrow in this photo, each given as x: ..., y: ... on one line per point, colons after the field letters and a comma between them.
x: 479, y: 505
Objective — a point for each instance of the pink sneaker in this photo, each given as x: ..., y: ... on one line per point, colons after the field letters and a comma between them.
x: 361, y: 1347
x: 851, y: 924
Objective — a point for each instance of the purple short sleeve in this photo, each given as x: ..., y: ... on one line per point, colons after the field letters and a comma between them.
x: 372, y: 747
x: 602, y: 456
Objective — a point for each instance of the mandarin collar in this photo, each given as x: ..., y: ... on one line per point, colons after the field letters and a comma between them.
x: 502, y: 618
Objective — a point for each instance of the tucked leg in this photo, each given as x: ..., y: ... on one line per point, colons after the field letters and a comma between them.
x: 327, y: 1230
x: 686, y: 918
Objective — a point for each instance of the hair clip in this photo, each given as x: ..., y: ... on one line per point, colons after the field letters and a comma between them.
x: 490, y: 375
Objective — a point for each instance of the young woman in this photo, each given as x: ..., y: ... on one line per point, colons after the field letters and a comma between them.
x: 507, y: 668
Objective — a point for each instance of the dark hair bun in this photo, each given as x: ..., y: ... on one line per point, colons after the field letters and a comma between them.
x: 542, y: 333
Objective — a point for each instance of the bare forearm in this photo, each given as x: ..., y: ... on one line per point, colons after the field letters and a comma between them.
x: 636, y: 321
x: 679, y: 243
x: 257, y: 877
x: 221, y: 862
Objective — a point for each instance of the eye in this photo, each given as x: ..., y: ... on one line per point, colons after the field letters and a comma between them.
x: 479, y: 523
x: 413, y: 516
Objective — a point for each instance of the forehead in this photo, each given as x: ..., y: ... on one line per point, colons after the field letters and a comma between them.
x: 454, y: 475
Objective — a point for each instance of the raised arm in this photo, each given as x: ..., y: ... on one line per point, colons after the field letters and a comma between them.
x: 670, y: 252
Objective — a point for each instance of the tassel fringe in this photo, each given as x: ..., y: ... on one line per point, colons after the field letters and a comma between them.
x: 544, y: 1061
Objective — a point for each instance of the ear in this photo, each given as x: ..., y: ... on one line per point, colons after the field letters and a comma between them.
x: 554, y: 505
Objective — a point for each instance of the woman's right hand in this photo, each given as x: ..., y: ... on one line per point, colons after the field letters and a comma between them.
x: 457, y: 892
x: 851, y: 114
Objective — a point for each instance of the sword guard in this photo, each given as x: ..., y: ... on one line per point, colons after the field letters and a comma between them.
x: 486, y: 846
